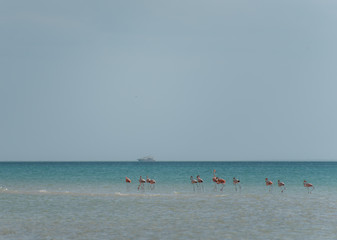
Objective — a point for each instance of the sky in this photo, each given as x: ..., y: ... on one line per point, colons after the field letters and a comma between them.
x: 190, y: 80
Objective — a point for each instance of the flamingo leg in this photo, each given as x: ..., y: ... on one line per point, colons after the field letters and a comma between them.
x: 141, y: 186
x: 312, y: 188
x: 201, y: 186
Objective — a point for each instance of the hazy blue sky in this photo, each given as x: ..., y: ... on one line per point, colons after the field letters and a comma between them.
x: 179, y: 80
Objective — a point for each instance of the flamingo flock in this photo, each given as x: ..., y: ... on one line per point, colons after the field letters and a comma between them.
x: 142, y: 182
x: 198, y: 183
x: 152, y: 182
x: 217, y: 181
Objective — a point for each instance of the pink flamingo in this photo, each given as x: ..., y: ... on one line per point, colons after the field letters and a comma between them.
x: 200, y: 182
x: 152, y: 182
x: 141, y: 183
x: 236, y: 182
x: 308, y: 185
x: 281, y: 185
x: 128, y: 181
x: 193, y: 181
x: 222, y: 182
x: 269, y: 183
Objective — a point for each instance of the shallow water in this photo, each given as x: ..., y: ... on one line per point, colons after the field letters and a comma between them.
x: 92, y: 201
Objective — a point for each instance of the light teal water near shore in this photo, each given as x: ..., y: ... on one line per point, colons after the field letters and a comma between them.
x: 90, y: 200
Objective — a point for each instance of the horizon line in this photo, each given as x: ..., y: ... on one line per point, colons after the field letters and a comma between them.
x: 273, y: 160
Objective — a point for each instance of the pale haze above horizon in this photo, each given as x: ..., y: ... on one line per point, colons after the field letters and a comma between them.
x: 177, y: 80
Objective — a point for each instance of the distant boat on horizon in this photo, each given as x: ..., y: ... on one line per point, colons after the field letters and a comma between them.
x: 146, y: 159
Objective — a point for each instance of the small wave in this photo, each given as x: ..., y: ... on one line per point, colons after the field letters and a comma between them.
x: 137, y: 194
x: 45, y: 192
x: 221, y: 195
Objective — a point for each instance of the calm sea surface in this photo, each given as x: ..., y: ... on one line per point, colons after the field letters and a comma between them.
x: 90, y: 200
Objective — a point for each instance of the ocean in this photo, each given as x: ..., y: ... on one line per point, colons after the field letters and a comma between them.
x: 91, y: 200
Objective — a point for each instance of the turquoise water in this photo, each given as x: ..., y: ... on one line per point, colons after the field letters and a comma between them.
x: 90, y: 200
